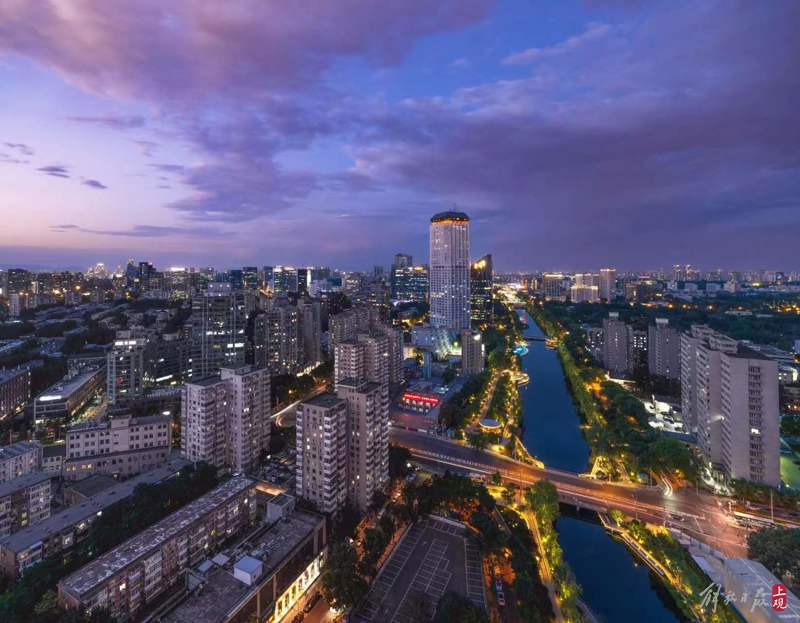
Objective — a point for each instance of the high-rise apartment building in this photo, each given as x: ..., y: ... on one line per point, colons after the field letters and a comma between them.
x: 225, y: 419
x: 729, y: 394
x: 125, y: 369
x: 663, y: 350
x: 310, y: 319
x: 450, y: 271
x: 553, y: 286
x: 481, y: 290
x: 277, y: 338
x: 367, y: 439
x: 472, y: 352
x: 219, y: 319
x: 347, y: 324
x: 321, y: 441
x: 617, y: 345
x: 608, y: 283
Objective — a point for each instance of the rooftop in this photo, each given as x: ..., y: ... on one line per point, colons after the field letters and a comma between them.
x: 325, y: 400
x: 6, y: 375
x: 103, y: 422
x: 66, y: 387
x: 459, y: 217
x: 22, y: 540
x: 22, y: 482
x: 99, y: 570
x: 54, y: 449
x: 93, y: 485
x: 17, y: 449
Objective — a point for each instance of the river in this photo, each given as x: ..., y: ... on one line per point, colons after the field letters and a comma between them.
x: 616, y: 586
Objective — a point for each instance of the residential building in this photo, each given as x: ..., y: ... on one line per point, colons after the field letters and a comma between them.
x: 367, y: 439
x: 616, y: 345
x: 144, y: 566
x: 664, y: 350
x: 347, y: 324
x: 125, y: 367
x: 481, y: 296
x: 225, y: 419
x: 277, y: 339
x: 120, y: 446
x: 218, y: 324
x: 584, y: 294
x: 450, y: 271
x: 310, y: 321
x: 53, y: 456
x: 553, y: 286
x: 64, y: 529
x: 270, y: 581
x: 15, y: 390
x: 18, y: 459
x: 321, y: 442
x: 608, y: 284
x: 472, y: 352
x: 24, y: 501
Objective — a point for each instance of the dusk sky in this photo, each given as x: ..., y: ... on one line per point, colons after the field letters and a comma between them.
x: 575, y: 134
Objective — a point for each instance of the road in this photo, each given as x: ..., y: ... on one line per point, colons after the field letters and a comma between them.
x: 698, y: 514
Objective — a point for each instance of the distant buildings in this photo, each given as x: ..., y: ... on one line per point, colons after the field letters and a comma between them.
x: 15, y: 390
x: 218, y: 329
x: 663, y: 350
x: 472, y: 352
x: 18, y: 459
x: 125, y: 368
x: 450, y: 271
x: 617, y: 345
x: 481, y: 278
x: 585, y: 289
x: 137, y: 571
x: 553, y: 286
x: 225, y: 419
x: 730, y: 397
x: 119, y: 446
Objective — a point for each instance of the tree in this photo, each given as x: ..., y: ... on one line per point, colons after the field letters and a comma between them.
x: 778, y: 549
x: 399, y: 461
x: 453, y: 608
x: 543, y: 498
x: 341, y: 584
x: 478, y: 440
x: 492, y: 537
x: 497, y: 479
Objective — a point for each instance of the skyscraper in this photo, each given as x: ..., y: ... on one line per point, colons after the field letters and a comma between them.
x: 125, y: 367
x: 449, y: 270
x: 218, y: 329
x: 616, y: 344
x: 664, y: 350
x: 481, y: 289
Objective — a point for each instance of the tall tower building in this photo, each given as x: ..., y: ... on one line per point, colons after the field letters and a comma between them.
x: 616, y: 344
x: 608, y: 283
x: 481, y: 289
x: 219, y: 319
x: 125, y: 368
x: 310, y: 319
x: 449, y: 270
x: 472, y: 352
x: 277, y: 340
x: 664, y: 350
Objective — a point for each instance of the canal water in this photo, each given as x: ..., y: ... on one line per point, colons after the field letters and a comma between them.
x: 616, y: 586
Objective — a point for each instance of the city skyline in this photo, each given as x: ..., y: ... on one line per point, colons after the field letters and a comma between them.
x: 194, y: 134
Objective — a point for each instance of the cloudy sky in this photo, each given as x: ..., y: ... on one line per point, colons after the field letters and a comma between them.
x: 576, y: 134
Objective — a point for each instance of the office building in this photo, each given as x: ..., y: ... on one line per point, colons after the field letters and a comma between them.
x: 62, y: 400
x: 553, y: 287
x: 250, y: 278
x: 18, y: 459
x: 24, y: 501
x: 410, y: 283
x: 125, y: 368
x: 119, y: 446
x: 64, y: 529
x: 15, y: 391
x: 321, y: 442
x: 367, y: 439
x: 663, y: 350
x: 608, y: 284
x: 450, y: 271
x: 225, y: 419
x: 144, y: 566
x: 219, y: 319
x: 472, y: 352
x: 481, y: 277
x: 617, y: 345
x: 285, y: 280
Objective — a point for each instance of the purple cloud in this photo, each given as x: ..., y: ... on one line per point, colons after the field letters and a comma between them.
x: 21, y: 148
x: 137, y: 231
x: 593, y: 32
x: 95, y: 184
x: 118, y: 122
x: 55, y: 170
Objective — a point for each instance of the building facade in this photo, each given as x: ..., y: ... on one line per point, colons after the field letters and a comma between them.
x: 18, y: 459
x: 125, y: 368
x: 608, y: 284
x: 472, y: 352
x: 663, y: 350
x: 24, y: 501
x: 481, y: 281
x: 218, y: 324
x: 15, y: 391
x: 450, y: 271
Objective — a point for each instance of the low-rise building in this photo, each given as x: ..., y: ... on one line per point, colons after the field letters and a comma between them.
x: 68, y: 527
x: 144, y: 566
x: 64, y: 398
x: 53, y: 458
x: 282, y: 562
x: 24, y: 501
x: 120, y: 446
x: 19, y: 458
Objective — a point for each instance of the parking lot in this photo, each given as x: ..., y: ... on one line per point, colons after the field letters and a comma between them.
x: 434, y: 556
